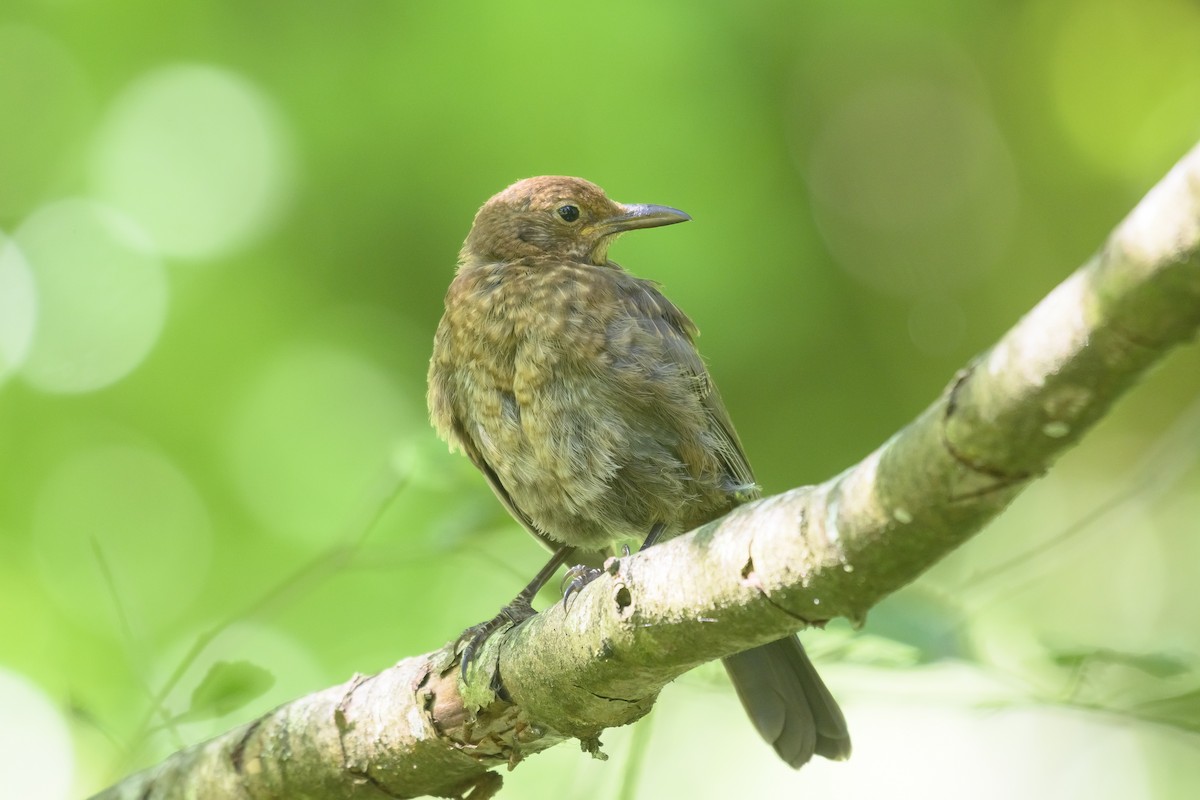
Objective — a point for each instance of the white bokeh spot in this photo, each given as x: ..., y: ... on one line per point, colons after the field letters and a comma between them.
x: 37, y: 760
x: 128, y: 512
x: 310, y: 438
x: 912, y: 184
x: 198, y: 155
x: 102, y: 296
x: 18, y: 307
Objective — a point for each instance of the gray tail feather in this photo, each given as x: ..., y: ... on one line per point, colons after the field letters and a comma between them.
x: 788, y: 702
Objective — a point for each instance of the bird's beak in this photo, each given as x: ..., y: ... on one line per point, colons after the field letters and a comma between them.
x: 640, y: 215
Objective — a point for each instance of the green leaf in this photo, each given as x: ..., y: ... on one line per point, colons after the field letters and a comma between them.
x: 228, y: 686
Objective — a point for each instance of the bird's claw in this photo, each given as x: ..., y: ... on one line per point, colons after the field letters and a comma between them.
x: 514, y: 613
x: 576, y: 578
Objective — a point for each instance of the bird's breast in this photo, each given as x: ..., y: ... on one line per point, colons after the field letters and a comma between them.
x: 547, y: 311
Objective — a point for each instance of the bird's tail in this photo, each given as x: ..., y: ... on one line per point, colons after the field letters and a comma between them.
x: 788, y: 702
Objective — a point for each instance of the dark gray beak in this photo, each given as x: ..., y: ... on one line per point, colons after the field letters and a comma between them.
x: 641, y: 215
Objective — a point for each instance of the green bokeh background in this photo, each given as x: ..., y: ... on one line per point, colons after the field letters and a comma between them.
x: 879, y: 191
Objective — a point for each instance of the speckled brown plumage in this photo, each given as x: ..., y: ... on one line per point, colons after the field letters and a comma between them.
x: 577, y: 390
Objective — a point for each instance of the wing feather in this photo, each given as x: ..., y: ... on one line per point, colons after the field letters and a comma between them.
x: 678, y: 333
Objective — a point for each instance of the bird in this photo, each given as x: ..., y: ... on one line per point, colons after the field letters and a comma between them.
x: 576, y: 388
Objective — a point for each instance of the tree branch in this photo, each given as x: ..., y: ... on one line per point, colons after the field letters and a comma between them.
x: 764, y: 571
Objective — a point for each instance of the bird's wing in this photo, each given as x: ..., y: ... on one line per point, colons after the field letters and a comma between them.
x: 471, y: 448
x: 678, y: 333
x: 449, y: 422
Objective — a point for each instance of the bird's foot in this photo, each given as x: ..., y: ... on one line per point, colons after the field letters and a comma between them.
x: 576, y: 578
x: 473, y: 637
x: 581, y: 575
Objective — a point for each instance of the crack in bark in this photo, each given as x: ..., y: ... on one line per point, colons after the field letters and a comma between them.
x: 238, y: 752
x: 750, y: 577
x: 371, y: 779
x: 340, y: 720
x: 624, y: 700
x: 999, y: 486
x: 808, y: 622
x: 1003, y: 477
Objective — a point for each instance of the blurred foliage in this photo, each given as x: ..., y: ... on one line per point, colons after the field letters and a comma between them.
x: 228, y: 686
x: 225, y: 231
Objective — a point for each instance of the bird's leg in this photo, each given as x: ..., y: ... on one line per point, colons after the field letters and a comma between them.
x: 517, y: 611
x: 652, y: 537
x: 581, y: 575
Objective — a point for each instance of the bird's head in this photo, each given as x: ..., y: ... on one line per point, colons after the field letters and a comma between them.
x: 563, y: 218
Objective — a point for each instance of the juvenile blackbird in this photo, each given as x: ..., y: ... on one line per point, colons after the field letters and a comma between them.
x: 577, y: 390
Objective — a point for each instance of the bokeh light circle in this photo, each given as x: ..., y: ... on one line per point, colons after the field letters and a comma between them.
x: 913, y: 186
x: 1123, y: 82
x: 102, y: 296
x: 18, y: 307
x: 936, y: 324
x: 37, y: 760
x: 130, y: 512
x: 198, y: 155
x: 311, y: 437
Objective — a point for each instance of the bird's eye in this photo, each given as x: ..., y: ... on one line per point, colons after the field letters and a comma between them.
x: 568, y: 213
